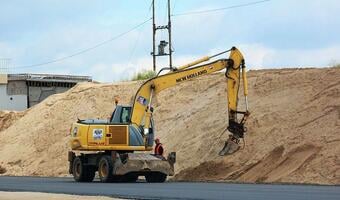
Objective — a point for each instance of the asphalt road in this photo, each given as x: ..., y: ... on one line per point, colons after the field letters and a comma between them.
x: 171, y: 190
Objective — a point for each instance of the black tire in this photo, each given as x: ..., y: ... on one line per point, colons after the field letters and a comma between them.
x: 124, y: 178
x: 155, y: 177
x: 129, y: 178
x: 105, y: 169
x: 81, y: 172
x: 90, y: 172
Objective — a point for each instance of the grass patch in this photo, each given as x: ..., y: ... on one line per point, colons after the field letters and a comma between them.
x: 334, y: 64
x: 143, y: 75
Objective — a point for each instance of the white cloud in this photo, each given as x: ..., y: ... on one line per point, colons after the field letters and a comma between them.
x: 193, y: 36
x: 7, y: 50
x: 108, y: 72
x: 259, y: 56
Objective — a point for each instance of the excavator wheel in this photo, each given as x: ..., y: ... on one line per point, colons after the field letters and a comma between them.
x: 130, y: 178
x: 127, y: 178
x: 105, y: 168
x: 81, y: 172
x: 230, y: 146
x: 155, y: 177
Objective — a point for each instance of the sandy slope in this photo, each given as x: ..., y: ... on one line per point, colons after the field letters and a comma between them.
x: 293, y: 131
x: 38, y: 143
x: 7, y: 118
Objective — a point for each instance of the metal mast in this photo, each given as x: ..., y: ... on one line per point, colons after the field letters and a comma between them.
x: 169, y: 31
x: 163, y: 43
x: 153, y: 36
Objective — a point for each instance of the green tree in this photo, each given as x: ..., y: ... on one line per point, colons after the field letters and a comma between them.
x: 143, y: 75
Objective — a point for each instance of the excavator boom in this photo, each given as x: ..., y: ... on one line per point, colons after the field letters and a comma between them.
x: 142, y: 109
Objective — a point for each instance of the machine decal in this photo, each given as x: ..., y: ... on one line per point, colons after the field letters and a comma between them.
x: 97, y: 134
x: 142, y: 100
x: 96, y: 143
x: 190, y: 76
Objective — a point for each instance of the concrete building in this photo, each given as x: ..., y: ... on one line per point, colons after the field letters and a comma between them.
x: 21, y: 91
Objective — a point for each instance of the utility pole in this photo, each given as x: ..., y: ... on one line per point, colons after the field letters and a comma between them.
x: 163, y: 43
x: 169, y: 31
x: 153, y: 36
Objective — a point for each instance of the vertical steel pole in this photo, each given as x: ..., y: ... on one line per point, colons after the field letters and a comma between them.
x: 153, y: 36
x: 169, y: 30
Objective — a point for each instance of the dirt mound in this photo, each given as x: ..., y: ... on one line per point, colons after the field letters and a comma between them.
x: 271, y: 168
x: 289, y: 108
x: 292, y: 131
x: 37, y: 144
x: 7, y: 118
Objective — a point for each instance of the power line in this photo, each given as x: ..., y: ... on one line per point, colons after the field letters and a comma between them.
x: 128, y: 31
x: 173, y: 5
x: 220, y: 9
x: 134, y: 47
x: 137, y: 40
x: 84, y: 50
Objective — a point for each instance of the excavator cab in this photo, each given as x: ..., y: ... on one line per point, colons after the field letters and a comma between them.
x: 121, y: 114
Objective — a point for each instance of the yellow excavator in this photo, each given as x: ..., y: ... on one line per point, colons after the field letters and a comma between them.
x: 117, y: 147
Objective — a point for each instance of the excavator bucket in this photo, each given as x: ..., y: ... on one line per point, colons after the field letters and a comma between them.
x: 230, y: 147
x: 237, y: 130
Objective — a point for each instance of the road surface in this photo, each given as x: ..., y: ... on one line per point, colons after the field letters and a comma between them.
x: 171, y: 190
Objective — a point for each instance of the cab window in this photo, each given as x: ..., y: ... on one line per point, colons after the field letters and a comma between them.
x: 113, y: 114
x: 125, y: 115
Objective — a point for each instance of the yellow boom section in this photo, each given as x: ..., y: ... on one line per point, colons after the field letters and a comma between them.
x: 141, y: 113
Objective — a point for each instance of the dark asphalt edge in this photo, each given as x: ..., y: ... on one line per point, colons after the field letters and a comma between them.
x: 218, y: 182
x: 96, y: 195
x: 256, y: 183
x: 70, y: 180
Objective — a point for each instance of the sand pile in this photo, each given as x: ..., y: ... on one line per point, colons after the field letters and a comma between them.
x: 293, y: 131
x: 7, y: 118
x: 37, y: 144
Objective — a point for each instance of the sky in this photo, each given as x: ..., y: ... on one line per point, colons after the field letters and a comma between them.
x: 272, y: 34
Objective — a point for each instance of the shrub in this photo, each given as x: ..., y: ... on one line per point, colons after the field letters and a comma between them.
x: 145, y: 74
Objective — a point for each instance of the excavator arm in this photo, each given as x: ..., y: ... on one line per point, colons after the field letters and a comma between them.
x: 142, y: 109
